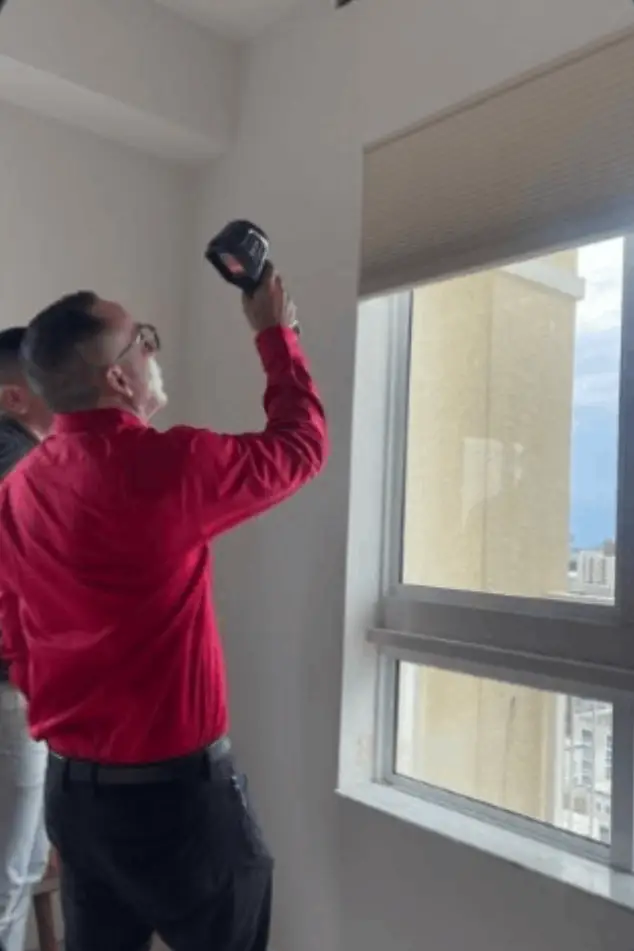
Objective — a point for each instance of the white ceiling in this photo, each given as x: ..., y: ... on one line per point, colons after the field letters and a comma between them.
x: 240, y: 19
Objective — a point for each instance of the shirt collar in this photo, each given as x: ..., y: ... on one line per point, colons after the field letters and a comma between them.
x: 96, y: 420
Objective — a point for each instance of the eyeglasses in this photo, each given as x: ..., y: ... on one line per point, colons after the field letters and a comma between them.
x: 147, y: 337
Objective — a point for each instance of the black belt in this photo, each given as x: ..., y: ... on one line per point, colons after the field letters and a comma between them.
x: 193, y: 766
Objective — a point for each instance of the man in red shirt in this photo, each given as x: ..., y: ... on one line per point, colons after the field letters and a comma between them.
x: 108, y: 625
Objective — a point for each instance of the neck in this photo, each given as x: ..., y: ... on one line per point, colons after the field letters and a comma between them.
x: 113, y: 402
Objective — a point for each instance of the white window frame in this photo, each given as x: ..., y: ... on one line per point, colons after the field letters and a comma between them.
x: 585, y: 649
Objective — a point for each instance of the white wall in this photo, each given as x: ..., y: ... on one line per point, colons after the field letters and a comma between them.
x: 79, y: 212
x: 316, y: 90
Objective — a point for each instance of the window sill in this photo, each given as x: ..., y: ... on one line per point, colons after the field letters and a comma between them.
x: 580, y: 873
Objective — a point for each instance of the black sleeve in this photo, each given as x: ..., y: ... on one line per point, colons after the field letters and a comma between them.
x: 15, y: 443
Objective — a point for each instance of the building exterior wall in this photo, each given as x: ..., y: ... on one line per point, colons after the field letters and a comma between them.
x: 487, y: 508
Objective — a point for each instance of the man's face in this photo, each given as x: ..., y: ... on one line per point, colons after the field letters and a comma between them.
x: 135, y: 374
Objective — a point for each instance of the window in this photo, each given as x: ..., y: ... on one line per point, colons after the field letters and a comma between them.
x: 506, y: 628
x: 504, y: 744
x: 512, y: 428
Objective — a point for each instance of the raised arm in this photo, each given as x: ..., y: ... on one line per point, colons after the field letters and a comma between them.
x: 228, y: 478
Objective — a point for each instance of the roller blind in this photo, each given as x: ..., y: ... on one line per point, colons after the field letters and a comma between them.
x: 546, y: 162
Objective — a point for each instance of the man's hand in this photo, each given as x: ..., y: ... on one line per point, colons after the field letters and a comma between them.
x: 270, y: 306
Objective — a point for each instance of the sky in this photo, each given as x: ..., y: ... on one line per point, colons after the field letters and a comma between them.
x: 596, y: 395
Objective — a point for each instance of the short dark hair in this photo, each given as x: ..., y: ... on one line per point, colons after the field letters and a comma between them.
x: 10, y: 347
x: 53, y: 363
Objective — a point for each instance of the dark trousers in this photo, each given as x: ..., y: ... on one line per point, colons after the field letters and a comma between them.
x: 184, y: 859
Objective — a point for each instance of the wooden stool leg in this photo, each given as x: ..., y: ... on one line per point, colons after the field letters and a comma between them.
x: 43, y: 908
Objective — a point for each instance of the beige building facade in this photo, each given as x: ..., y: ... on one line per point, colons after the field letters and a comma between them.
x: 487, y: 509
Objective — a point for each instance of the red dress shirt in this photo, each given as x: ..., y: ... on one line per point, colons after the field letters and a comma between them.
x: 105, y: 577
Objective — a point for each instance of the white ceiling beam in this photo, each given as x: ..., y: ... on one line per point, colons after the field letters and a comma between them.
x: 127, y: 69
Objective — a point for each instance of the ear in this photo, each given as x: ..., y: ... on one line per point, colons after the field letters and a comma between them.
x: 118, y: 381
x: 14, y: 400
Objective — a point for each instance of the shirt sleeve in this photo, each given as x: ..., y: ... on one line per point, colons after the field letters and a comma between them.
x: 231, y: 478
x: 13, y: 641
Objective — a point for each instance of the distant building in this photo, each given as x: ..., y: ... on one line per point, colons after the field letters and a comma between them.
x: 584, y: 803
x: 592, y: 574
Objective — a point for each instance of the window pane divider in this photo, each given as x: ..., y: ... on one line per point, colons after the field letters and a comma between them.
x: 556, y: 674
x: 622, y: 847
x: 386, y: 717
x: 591, y: 610
x: 396, y: 448
x: 624, y: 583
x: 587, y: 644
